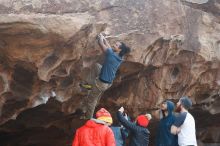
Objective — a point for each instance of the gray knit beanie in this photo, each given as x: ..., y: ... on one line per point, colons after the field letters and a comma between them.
x: 186, y: 102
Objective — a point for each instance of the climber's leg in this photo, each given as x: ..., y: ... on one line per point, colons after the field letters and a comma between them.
x: 91, y: 101
x: 93, y: 72
x: 94, y: 96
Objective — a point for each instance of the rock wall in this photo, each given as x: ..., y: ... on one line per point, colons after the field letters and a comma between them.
x: 48, y: 47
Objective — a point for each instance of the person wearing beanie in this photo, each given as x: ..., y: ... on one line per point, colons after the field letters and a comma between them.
x: 164, y: 137
x: 138, y: 131
x: 105, y: 116
x: 184, y: 124
x: 96, y: 131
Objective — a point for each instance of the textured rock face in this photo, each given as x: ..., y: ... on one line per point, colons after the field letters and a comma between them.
x: 48, y: 47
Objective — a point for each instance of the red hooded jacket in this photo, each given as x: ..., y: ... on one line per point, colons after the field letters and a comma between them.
x: 94, y: 133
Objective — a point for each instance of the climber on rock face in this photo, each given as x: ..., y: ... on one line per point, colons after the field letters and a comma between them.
x: 113, y: 59
x: 103, y: 75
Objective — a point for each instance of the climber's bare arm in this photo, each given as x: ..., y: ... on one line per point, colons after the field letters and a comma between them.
x: 107, y: 43
x: 103, y: 43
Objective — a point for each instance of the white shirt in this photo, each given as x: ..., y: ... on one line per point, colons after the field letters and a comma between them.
x: 187, y: 135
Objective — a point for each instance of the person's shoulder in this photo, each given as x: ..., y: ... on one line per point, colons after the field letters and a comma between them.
x: 109, y: 50
x: 190, y: 116
x: 143, y: 130
x: 140, y: 128
x: 179, y: 119
x: 180, y: 114
x: 115, y: 127
x: 102, y: 127
x: 82, y: 129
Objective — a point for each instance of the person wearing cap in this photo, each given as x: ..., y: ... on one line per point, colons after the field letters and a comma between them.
x: 164, y: 137
x: 138, y: 131
x: 184, y: 124
x: 96, y: 132
x: 101, y: 77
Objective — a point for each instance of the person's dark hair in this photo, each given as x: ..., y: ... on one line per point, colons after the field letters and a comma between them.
x: 124, y: 49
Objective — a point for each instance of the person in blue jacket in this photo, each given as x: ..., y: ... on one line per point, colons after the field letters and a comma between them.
x: 120, y: 132
x: 139, y: 133
x: 164, y: 137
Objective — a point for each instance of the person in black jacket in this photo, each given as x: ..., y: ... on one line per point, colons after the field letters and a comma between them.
x: 138, y: 131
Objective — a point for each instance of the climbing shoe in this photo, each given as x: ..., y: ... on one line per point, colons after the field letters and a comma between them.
x: 86, y: 86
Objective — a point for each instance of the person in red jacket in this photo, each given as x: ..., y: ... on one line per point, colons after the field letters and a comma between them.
x: 96, y: 131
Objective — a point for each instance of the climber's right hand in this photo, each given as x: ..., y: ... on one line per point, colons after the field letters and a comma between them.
x: 100, y: 36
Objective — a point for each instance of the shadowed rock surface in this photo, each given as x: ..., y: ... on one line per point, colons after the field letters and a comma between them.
x: 48, y: 47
